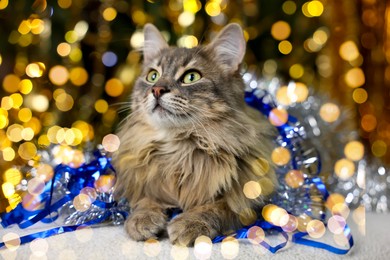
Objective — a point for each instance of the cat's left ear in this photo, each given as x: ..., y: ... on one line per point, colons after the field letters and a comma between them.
x: 154, y: 42
x: 229, y: 47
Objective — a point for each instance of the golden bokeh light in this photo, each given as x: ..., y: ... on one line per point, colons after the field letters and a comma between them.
x: 185, y: 19
x: 14, y: 133
x: 294, y: 178
x: 71, y: 36
x: 45, y: 172
x: 296, y: 71
x: 344, y: 169
x: 230, y: 248
x: 8, y: 154
x: 3, y: 5
x: 27, y: 150
x: 213, y: 8
x: 109, y: 14
x: 285, y: 47
x: 39, y: 103
x: 379, y: 148
x: 13, y: 176
x: 289, y: 223
x: 35, y: 69
x: 25, y: 114
x: 360, y: 95
x: 82, y: 202
x: 315, y: 8
x: 105, y: 183
x: 329, y: 112
x: 333, y: 199
x: 64, y: 102
x: 303, y: 221
x: 58, y: 75
x: 315, y: 228
x: 349, y: 51
x: 64, y: 4
x: 78, y: 76
x: 289, y: 7
x: 354, y: 150
x: 368, y: 122
x: 63, y: 49
x: 17, y: 100
x: 25, y: 86
x: 280, y: 30
x: 114, y: 87
x: 278, y: 116
x: 252, y: 189
x: 101, y: 106
x: 10, y: 83
x: 6, y: 103
x: 341, y: 209
x: 355, y: 77
x: 280, y: 156
x: 152, y: 247
x: 111, y: 142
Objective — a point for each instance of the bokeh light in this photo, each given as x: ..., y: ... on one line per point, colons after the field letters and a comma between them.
x: 152, y: 247
x: 278, y: 116
x: 252, y: 189
x: 316, y: 228
x: 114, y: 87
x: 230, y: 248
x: 294, y: 178
x: 354, y: 150
x: 280, y: 30
x: 344, y: 169
x: 329, y: 112
x: 203, y: 247
x: 280, y: 156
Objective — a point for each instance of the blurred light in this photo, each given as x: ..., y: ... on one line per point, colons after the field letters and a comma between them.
x: 27, y: 150
x: 3, y: 120
x: 14, y: 133
x: 64, y: 102
x: 75, y: 54
x: 368, y: 122
x: 3, y: 4
x: 39, y: 103
x: 111, y: 142
x: 329, y: 112
x: 336, y: 224
x: 71, y: 36
x: 285, y: 47
x: 321, y: 36
x: 252, y: 190
x: 278, y: 116
x: 355, y: 77
x: 186, y: 19
x: 270, y: 67
x: 280, y: 156
x: 8, y: 154
x: 379, y: 148
x: 296, y: 71
x: 256, y: 235
x: 344, y: 169
x: 297, y: 92
x: 78, y: 76
x: 349, y: 51
x: 360, y: 95
x: 105, y: 183
x: 137, y: 40
x: 280, y: 30
x: 230, y: 248
x: 191, y: 6
x: 58, y: 75
x: 45, y: 172
x: 109, y: 14
x: 25, y: 86
x: 7, y: 103
x: 139, y: 17
x: 8, y: 189
x: 35, y: 124
x: 354, y: 150
x: 24, y: 114
x: 81, y: 28
x: 290, y: 223
x: 101, y: 106
x: 35, y: 186
x: 114, y: 87
x: 152, y: 248
x: 187, y: 41
x: 43, y: 140
x: 64, y: 4
x: 10, y: 83
x: 13, y: 176
x: 109, y: 59
x: 212, y: 8
x: 315, y: 228
x: 37, y: 26
x: 82, y: 202
x: 289, y: 7
x: 63, y: 49
x: 294, y: 178
x: 24, y: 27
x: 334, y: 199
x: 315, y: 8
x: 17, y: 100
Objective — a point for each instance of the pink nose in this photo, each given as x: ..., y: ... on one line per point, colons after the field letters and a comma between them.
x: 159, y: 91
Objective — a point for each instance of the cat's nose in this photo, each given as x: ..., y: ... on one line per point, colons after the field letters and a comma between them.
x: 159, y: 91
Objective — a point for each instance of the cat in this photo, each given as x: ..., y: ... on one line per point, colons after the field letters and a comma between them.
x: 192, y: 143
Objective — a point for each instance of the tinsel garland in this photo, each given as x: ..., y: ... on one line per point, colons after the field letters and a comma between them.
x: 84, y: 195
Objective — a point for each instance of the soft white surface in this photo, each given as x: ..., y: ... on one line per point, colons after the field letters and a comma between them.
x: 112, y: 243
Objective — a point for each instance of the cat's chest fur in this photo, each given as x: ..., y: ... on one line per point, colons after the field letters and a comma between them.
x: 173, y: 169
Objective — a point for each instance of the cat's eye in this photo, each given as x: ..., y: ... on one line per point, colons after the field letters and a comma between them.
x: 191, y: 77
x: 153, y: 76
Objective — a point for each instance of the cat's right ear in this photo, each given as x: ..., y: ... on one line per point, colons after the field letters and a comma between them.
x: 154, y: 42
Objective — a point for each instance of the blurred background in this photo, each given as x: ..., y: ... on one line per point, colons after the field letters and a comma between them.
x: 67, y: 66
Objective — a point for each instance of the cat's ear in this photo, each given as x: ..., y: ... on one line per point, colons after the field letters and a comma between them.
x: 229, y: 47
x: 154, y: 42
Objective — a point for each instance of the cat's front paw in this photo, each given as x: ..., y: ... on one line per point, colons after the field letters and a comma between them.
x: 145, y: 224
x: 184, y: 231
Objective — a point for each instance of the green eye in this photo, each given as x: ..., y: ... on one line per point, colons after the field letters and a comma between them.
x: 191, y: 77
x: 153, y: 76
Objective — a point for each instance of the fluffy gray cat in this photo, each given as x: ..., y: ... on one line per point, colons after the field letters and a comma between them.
x: 191, y: 142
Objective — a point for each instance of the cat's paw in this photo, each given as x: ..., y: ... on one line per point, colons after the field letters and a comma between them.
x: 145, y: 224
x: 184, y: 231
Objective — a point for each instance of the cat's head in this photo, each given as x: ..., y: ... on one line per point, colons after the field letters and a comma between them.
x: 182, y: 87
